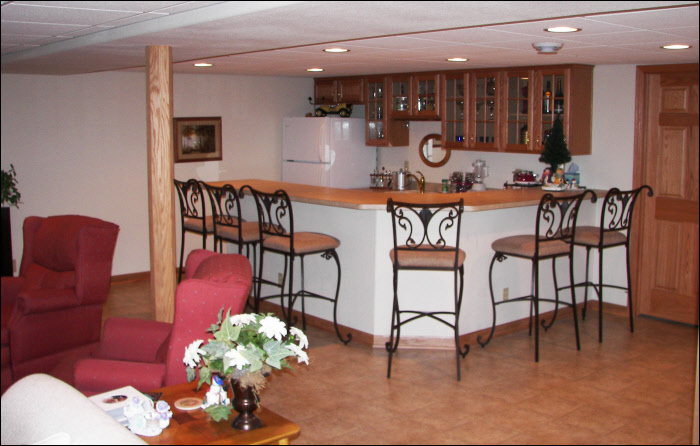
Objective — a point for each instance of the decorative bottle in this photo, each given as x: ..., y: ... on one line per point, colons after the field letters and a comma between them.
x: 523, y: 135
x: 559, y: 99
x: 546, y: 107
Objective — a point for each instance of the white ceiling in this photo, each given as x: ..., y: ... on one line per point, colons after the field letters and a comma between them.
x: 285, y: 38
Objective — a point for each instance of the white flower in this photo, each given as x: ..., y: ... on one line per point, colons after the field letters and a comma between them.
x: 303, y: 340
x: 243, y: 319
x: 273, y: 328
x: 301, y: 354
x: 192, y: 353
x: 236, y: 359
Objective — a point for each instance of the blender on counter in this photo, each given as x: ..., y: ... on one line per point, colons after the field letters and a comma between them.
x: 481, y: 171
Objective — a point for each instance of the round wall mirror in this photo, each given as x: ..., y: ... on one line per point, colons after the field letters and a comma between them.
x: 431, y: 151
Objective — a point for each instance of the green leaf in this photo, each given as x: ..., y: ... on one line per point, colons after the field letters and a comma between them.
x: 218, y: 412
x: 191, y: 374
x: 227, y: 332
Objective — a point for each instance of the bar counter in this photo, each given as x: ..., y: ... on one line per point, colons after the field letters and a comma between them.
x: 375, y: 199
x: 358, y: 218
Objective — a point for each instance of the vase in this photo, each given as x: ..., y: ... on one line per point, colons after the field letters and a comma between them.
x: 245, y: 402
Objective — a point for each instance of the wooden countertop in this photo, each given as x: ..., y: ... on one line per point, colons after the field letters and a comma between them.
x: 371, y: 199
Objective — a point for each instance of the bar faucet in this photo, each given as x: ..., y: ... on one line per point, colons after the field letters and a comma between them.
x: 420, y: 181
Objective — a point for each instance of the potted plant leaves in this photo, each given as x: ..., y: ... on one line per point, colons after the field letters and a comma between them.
x: 10, y: 197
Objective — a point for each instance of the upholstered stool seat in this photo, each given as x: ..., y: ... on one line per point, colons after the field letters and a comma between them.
x: 426, y: 238
x: 555, y: 229
x: 426, y: 257
x: 304, y: 242
x: 524, y: 246
x: 590, y: 236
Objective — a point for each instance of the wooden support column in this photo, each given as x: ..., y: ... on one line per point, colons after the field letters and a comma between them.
x: 161, y: 210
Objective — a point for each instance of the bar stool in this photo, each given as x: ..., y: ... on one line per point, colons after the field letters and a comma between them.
x: 614, y: 230
x: 193, y: 214
x: 276, y: 226
x: 426, y: 238
x: 229, y: 224
x: 555, y: 229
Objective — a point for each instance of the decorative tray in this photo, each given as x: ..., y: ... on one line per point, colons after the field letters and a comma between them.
x: 527, y: 183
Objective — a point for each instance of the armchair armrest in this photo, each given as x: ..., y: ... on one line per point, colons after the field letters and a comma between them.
x: 10, y: 289
x: 45, y: 300
x: 136, y: 340
x: 92, y: 376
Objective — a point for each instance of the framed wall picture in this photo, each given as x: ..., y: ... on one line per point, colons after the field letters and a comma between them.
x: 197, y: 139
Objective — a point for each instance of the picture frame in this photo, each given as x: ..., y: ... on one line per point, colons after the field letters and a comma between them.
x: 197, y: 139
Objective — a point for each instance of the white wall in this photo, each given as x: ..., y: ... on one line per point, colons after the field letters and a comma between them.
x: 78, y: 143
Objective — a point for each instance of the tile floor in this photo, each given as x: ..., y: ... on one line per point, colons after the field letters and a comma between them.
x: 631, y: 389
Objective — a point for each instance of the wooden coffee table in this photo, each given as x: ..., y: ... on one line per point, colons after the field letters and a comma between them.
x: 197, y: 427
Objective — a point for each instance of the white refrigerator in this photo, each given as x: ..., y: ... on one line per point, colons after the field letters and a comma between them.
x: 328, y: 152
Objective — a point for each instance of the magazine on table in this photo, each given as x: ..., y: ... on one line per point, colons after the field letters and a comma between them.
x: 114, y: 401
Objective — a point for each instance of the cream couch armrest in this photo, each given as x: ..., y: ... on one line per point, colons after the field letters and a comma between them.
x: 42, y: 409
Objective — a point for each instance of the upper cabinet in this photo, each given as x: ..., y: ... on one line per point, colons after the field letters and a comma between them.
x: 564, y: 92
x: 379, y: 129
x: 497, y: 110
x: 415, y: 96
x: 336, y: 90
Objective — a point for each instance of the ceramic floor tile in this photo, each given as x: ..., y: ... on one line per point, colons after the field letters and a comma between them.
x: 634, y: 388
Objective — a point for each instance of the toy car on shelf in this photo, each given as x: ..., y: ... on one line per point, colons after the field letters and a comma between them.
x: 342, y: 109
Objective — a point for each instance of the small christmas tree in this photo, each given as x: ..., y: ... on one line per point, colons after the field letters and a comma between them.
x: 555, y: 150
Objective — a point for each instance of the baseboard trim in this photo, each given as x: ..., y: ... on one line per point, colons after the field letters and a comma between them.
x: 408, y: 342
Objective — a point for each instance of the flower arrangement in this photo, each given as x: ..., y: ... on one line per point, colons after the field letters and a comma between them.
x: 246, y: 347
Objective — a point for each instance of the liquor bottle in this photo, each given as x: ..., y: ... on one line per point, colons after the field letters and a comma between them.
x: 523, y: 135
x: 559, y: 99
x: 546, y: 107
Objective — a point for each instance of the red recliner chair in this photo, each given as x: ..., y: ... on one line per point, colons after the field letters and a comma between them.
x: 54, y: 308
x: 148, y: 354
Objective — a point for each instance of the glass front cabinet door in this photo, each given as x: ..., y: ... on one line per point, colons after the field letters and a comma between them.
x: 381, y: 129
x: 401, y: 98
x: 484, y: 109
x: 426, y: 98
x: 519, y: 111
x: 454, y: 88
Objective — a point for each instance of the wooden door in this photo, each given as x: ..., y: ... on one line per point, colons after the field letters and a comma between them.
x: 668, y: 162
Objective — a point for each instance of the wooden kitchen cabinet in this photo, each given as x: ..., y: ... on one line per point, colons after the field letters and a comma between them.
x: 329, y: 91
x: 570, y: 98
x: 454, y: 110
x: 415, y: 96
x: 380, y: 129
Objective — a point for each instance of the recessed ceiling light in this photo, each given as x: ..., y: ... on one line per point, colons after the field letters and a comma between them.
x: 562, y: 29
x: 676, y: 46
x: 203, y: 64
x: 314, y: 69
x: 336, y: 50
x: 457, y: 59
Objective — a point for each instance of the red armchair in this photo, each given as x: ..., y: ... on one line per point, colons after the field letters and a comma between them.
x: 54, y: 308
x: 148, y: 354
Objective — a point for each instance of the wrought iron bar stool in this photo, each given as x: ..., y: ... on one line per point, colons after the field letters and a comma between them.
x: 229, y: 224
x: 555, y: 229
x: 614, y: 230
x: 426, y: 238
x: 193, y: 214
x: 276, y: 225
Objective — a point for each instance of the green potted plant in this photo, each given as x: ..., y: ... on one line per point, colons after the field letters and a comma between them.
x: 10, y: 197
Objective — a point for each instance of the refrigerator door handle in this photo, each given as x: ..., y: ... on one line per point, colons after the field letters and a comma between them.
x: 323, y: 147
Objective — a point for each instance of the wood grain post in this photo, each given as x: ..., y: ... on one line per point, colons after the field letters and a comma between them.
x: 161, y: 210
